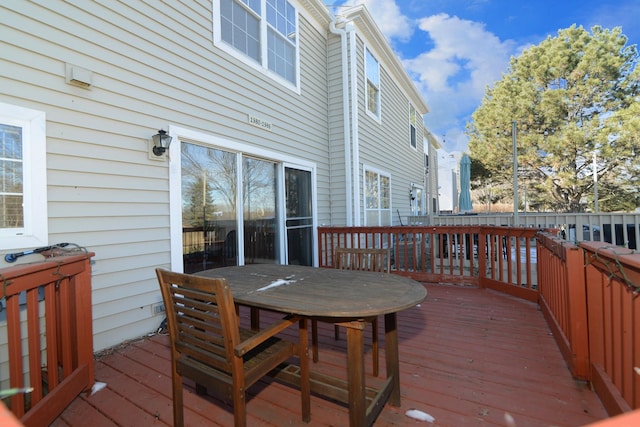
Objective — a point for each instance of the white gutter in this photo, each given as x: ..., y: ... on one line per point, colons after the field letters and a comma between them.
x: 354, y: 127
x: 346, y: 118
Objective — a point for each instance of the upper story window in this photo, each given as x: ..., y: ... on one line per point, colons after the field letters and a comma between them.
x: 372, y: 68
x: 265, y: 32
x: 240, y: 26
x: 23, y: 178
x: 413, y: 121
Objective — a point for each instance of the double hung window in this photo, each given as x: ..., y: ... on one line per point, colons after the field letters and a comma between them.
x: 377, y: 197
x: 23, y: 178
x: 373, y: 84
x: 263, y: 31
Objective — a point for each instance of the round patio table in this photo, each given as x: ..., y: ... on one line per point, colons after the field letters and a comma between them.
x: 346, y: 297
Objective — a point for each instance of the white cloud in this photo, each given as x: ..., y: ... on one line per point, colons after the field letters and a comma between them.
x: 454, y: 74
x: 461, y: 46
x: 387, y: 15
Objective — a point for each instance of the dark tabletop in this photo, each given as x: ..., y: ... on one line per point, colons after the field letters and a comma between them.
x: 320, y: 292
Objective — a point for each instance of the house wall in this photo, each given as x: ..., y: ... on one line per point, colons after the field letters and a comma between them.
x: 154, y: 66
x: 431, y: 146
x: 385, y: 144
x: 434, y: 185
x: 105, y: 193
x: 336, y: 110
x: 448, y: 171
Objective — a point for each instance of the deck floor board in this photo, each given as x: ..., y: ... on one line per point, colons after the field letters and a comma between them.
x: 467, y: 357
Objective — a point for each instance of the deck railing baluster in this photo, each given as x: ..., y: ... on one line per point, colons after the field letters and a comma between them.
x: 65, y: 311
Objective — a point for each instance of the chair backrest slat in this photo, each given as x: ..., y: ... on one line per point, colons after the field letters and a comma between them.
x: 201, y: 316
x: 364, y: 259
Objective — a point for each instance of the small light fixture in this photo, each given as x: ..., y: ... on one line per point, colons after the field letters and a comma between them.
x: 161, y: 142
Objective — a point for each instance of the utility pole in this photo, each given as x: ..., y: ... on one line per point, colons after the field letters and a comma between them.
x: 516, y: 222
x: 595, y: 184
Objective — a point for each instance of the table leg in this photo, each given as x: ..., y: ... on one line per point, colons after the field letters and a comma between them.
x: 355, y: 372
x: 255, y: 319
x: 305, y: 389
x: 391, y: 354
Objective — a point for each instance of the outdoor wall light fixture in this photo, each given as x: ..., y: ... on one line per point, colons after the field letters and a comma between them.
x: 161, y: 142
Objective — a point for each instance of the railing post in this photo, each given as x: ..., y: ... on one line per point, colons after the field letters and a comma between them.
x: 563, y: 300
x: 483, y: 251
x: 81, y: 289
x: 16, y: 369
x: 577, y: 307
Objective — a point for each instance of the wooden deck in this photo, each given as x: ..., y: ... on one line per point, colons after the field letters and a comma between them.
x: 467, y: 357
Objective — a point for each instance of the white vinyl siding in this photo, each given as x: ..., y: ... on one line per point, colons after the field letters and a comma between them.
x: 384, y: 144
x: 336, y: 206
x: 104, y: 191
x: 154, y: 66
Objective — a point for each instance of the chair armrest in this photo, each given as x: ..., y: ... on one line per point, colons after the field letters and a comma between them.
x: 264, y: 335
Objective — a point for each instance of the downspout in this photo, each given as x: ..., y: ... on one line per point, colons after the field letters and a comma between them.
x: 346, y: 118
x: 354, y: 128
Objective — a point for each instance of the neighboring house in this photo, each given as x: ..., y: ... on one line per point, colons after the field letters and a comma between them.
x: 431, y: 147
x: 282, y: 117
x: 448, y: 178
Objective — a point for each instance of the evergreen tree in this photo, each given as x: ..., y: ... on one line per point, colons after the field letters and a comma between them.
x: 573, y: 98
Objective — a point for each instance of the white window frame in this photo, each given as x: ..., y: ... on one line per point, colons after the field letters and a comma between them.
x: 35, y: 231
x: 180, y: 134
x: 283, y: 217
x: 380, y: 173
x: 378, y: 85
x: 263, y: 64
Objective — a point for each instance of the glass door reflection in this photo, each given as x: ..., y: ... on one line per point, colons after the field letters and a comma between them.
x: 209, y: 220
x: 260, y: 212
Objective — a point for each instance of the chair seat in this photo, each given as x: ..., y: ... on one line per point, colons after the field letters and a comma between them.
x: 257, y: 363
x: 209, y: 347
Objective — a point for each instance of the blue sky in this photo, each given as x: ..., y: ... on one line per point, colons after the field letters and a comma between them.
x: 453, y: 49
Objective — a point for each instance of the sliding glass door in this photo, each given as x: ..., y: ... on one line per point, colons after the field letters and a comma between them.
x: 299, y: 220
x: 275, y: 210
x: 260, y: 211
x: 209, y: 214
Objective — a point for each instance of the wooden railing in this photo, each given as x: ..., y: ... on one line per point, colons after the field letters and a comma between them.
x: 495, y: 257
x: 54, y: 295
x: 613, y: 309
x: 589, y: 292
x: 618, y: 228
x: 590, y: 295
x: 563, y: 299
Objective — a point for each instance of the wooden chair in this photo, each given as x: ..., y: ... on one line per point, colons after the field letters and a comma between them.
x: 209, y: 347
x: 362, y: 259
